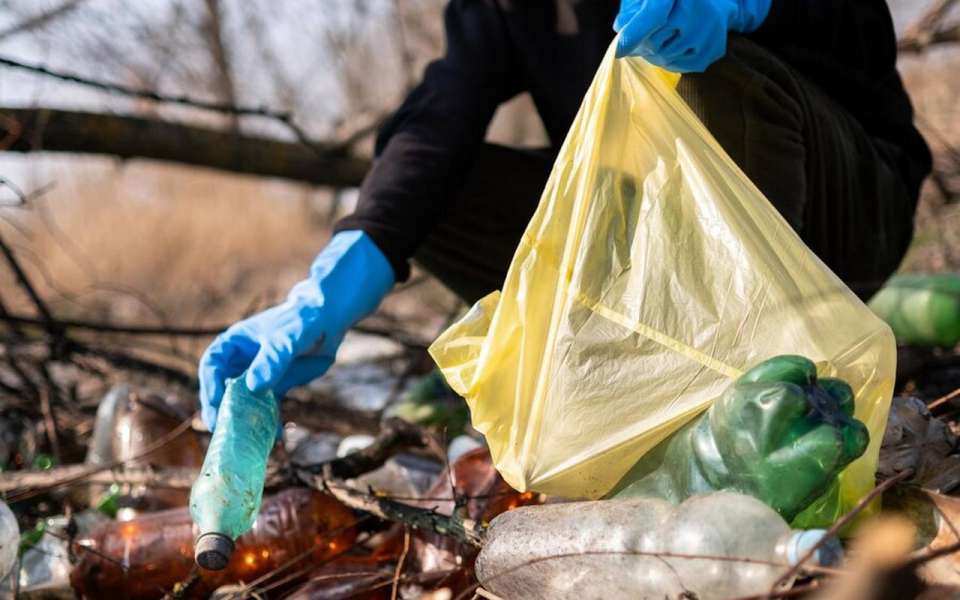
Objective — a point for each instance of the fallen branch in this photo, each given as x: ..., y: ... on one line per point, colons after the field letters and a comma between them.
x: 464, y: 530
x: 81, y: 475
x: 126, y: 136
x: 399, y: 337
x: 21, y: 481
x: 928, y: 29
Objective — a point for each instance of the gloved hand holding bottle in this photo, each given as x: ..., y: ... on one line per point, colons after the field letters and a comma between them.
x: 296, y: 341
x: 684, y: 35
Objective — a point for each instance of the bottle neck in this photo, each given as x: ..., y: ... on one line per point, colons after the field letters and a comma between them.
x: 794, y: 546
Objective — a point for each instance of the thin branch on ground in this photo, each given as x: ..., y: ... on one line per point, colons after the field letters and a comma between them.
x: 840, y: 524
x: 464, y: 530
x: 283, y: 117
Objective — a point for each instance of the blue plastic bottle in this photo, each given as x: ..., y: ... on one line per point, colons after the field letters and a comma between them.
x: 225, y: 499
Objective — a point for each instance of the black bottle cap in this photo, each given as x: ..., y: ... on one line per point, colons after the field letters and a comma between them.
x: 212, y: 551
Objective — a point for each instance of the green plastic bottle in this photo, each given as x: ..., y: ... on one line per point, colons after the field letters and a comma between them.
x: 225, y: 499
x: 777, y: 433
x: 922, y: 309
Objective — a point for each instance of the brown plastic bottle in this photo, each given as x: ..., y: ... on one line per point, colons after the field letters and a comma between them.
x: 146, y: 557
x: 142, y: 423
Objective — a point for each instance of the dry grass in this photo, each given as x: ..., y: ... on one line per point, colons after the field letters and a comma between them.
x: 191, y: 245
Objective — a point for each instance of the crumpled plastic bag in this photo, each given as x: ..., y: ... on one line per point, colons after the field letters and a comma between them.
x: 651, y: 275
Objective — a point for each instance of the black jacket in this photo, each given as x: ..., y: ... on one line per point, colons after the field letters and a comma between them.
x: 497, y: 49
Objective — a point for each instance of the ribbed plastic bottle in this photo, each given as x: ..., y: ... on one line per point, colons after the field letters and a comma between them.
x: 226, y: 496
x: 145, y: 557
x: 721, y: 545
x: 922, y: 309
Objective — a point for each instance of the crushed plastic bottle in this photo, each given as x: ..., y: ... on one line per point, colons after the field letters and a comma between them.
x: 9, y: 540
x: 144, y: 558
x: 45, y: 568
x: 922, y: 309
x: 778, y: 433
x: 644, y: 548
x: 226, y: 497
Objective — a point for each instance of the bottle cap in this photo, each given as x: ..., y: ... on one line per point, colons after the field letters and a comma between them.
x: 212, y: 551
x: 829, y: 552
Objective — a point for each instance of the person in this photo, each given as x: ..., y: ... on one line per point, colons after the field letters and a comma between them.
x: 802, y: 94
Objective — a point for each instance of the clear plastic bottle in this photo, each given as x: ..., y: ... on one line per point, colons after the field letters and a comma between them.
x: 9, y: 540
x: 643, y: 548
x: 226, y: 497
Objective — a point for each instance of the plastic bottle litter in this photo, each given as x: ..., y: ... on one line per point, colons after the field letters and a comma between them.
x: 100, y: 450
x: 922, y: 309
x: 148, y: 555
x: 9, y: 540
x: 139, y: 425
x: 643, y: 548
x: 778, y: 433
x: 226, y: 496
x: 460, y: 445
x: 45, y: 568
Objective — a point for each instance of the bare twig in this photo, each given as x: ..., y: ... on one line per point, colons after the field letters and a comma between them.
x: 41, y: 19
x: 50, y: 425
x: 403, y: 559
x: 464, y: 530
x: 840, y: 524
x: 25, y: 283
x: 82, y: 475
x: 285, y: 118
x: 944, y: 399
x: 928, y: 29
x: 181, y: 331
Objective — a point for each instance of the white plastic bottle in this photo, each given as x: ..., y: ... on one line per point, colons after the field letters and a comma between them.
x: 716, y: 546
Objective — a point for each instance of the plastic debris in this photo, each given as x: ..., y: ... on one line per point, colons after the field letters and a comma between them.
x: 358, y: 386
x: 225, y: 499
x: 100, y: 450
x: 462, y: 444
x: 778, y: 433
x: 146, y: 557
x: 9, y: 540
x: 44, y: 570
x: 644, y: 548
x: 922, y: 309
x: 315, y: 448
x: 402, y: 476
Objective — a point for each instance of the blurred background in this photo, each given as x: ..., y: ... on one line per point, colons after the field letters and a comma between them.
x: 137, y: 241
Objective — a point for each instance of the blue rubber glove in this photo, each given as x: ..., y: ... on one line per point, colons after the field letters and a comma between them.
x: 684, y: 36
x: 296, y: 341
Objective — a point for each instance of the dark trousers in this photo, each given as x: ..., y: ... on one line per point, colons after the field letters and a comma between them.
x: 808, y: 156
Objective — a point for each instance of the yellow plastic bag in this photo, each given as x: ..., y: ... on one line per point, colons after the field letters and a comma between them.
x: 652, y: 273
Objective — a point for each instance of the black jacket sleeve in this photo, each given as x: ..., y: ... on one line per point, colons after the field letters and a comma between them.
x: 425, y: 149
x: 848, y: 48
